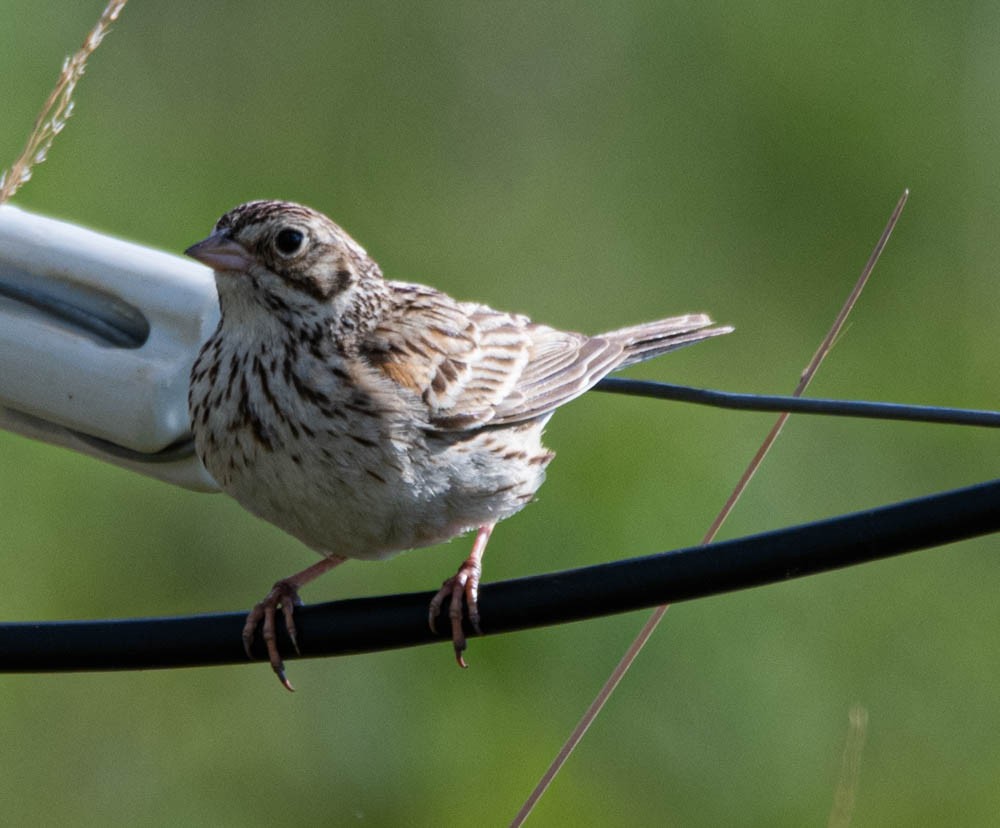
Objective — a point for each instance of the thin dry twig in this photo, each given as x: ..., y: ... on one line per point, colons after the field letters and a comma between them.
x: 58, y: 106
x: 650, y: 626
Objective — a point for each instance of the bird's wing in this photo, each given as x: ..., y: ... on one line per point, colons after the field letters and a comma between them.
x: 473, y: 366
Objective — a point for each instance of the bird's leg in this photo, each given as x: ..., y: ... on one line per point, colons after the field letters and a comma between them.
x: 284, y: 594
x: 464, y: 583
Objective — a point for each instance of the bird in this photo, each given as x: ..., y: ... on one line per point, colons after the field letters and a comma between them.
x: 366, y: 416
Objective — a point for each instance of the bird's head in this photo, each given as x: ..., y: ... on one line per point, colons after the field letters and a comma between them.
x: 287, y: 260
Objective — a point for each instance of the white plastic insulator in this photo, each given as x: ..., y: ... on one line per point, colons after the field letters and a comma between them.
x: 97, y: 339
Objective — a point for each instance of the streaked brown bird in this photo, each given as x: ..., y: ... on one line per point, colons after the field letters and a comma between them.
x: 366, y: 417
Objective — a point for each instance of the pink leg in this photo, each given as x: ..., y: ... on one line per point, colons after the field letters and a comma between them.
x: 464, y: 583
x: 284, y: 594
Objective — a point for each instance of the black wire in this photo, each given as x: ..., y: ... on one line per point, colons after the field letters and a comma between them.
x: 183, y: 448
x: 370, y: 624
x: 800, y: 405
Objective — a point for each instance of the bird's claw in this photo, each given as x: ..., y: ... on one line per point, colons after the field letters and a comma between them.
x: 285, y: 595
x: 462, y: 587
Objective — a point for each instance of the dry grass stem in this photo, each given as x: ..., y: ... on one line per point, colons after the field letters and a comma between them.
x: 850, y: 772
x: 650, y: 626
x: 58, y: 106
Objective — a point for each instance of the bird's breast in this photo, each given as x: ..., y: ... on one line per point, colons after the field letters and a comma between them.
x: 341, y: 460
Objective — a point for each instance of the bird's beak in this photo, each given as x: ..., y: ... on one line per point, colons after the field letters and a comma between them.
x: 220, y: 253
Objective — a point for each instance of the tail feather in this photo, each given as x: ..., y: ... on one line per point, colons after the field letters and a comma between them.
x: 642, y: 342
x: 574, y: 363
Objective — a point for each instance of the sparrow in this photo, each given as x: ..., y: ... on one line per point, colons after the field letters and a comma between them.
x: 365, y: 416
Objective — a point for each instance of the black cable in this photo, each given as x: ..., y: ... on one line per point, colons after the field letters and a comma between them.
x: 370, y: 624
x: 800, y: 405
x: 184, y: 447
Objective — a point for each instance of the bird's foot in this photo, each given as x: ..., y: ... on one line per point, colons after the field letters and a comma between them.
x: 464, y: 584
x: 285, y: 595
x: 461, y: 587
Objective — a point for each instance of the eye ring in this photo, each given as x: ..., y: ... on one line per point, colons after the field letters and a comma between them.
x: 289, y: 241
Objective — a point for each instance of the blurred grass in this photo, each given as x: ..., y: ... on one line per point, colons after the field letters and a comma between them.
x: 592, y: 166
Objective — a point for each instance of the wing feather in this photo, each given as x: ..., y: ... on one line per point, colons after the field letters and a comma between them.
x: 472, y: 366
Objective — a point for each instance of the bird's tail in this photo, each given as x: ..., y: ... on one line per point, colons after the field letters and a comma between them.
x: 641, y: 342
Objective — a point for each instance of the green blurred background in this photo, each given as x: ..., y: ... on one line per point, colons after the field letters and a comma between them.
x: 593, y: 167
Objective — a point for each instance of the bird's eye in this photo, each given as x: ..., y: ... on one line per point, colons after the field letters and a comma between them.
x: 289, y: 241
